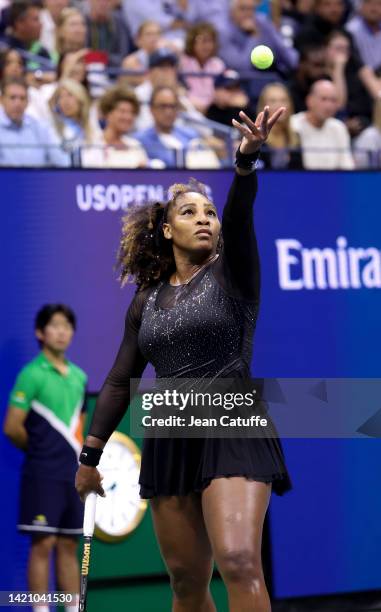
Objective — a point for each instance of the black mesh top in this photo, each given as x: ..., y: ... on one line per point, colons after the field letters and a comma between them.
x: 200, y: 329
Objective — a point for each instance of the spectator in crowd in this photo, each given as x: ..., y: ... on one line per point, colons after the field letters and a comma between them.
x: 170, y: 144
x: 327, y: 15
x: 175, y: 16
x: 23, y: 36
x: 338, y: 56
x: 25, y: 141
x: 201, y: 48
x: 70, y: 114
x: 49, y: 17
x: 324, y: 140
x: 365, y: 28
x: 312, y: 67
x: 171, y: 16
x: 163, y: 71
x: 106, y: 31
x: 115, y: 148
x: 244, y: 30
x: 229, y: 99
x: 345, y: 70
x: 294, y: 15
x: 215, y: 12
x: 282, y: 148
x: 25, y: 28
x: 147, y: 40
x: 367, y: 146
x: 71, y: 65
x: 70, y: 32
x: 11, y: 64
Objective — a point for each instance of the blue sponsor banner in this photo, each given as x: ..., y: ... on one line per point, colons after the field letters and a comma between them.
x: 320, y: 245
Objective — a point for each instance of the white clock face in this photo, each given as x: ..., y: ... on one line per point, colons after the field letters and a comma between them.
x: 122, y: 509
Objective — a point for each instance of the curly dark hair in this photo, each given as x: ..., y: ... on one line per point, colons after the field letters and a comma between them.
x: 110, y: 100
x: 144, y: 255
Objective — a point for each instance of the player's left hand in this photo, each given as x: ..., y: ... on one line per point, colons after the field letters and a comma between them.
x: 256, y: 132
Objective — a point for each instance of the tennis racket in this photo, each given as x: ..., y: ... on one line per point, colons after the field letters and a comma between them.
x: 88, y: 531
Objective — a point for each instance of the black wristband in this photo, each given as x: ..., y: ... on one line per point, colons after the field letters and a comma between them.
x: 246, y: 161
x: 90, y: 456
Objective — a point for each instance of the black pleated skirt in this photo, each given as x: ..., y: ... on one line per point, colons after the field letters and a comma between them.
x: 178, y: 466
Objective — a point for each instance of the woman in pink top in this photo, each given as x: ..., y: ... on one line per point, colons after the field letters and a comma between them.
x: 200, y: 57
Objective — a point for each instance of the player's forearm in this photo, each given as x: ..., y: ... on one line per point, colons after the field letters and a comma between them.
x: 241, y: 196
x: 111, y: 405
x: 95, y: 442
x: 240, y: 245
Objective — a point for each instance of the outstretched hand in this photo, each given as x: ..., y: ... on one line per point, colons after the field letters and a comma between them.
x: 255, y: 133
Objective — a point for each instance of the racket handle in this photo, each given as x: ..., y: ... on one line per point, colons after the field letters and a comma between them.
x: 84, y: 573
x: 89, y: 516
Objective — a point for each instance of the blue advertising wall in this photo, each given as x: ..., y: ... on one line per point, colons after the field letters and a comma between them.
x: 320, y: 245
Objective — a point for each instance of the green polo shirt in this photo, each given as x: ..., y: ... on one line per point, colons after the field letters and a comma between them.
x: 54, y: 403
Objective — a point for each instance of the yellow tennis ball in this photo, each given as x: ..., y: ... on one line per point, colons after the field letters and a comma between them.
x: 262, y: 57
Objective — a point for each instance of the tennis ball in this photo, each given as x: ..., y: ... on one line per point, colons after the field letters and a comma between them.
x: 262, y: 57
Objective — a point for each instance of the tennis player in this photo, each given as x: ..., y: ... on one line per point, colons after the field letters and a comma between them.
x: 193, y: 316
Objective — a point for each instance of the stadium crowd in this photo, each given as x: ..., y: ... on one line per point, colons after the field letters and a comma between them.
x: 129, y: 84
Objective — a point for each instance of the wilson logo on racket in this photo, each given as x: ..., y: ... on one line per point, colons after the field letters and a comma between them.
x: 86, y: 559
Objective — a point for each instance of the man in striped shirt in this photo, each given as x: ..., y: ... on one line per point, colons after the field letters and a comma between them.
x: 365, y: 28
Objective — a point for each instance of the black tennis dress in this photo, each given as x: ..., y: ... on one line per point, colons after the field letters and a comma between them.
x: 203, y: 329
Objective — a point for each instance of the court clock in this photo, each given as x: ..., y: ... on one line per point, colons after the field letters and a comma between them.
x: 121, y: 511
